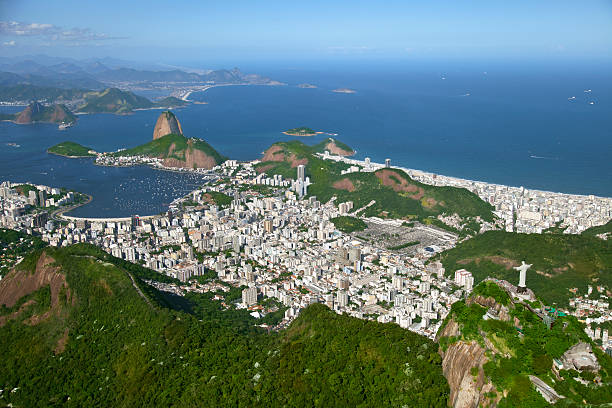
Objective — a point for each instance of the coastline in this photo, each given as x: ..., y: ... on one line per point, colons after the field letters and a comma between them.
x: 72, y: 157
x: 417, y: 174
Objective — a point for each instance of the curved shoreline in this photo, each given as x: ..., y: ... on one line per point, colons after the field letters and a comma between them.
x: 59, y: 213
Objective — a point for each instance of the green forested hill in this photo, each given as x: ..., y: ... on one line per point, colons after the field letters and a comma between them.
x: 90, y: 338
x: 394, y: 193
x: 560, y: 261
x: 70, y: 149
x: 174, y: 146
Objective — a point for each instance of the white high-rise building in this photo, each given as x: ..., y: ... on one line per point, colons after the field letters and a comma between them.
x: 468, y: 283
x: 461, y: 275
x: 342, y: 299
x: 249, y: 296
x: 301, y: 172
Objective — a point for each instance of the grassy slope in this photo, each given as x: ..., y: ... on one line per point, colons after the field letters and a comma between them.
x: 70, y: 149
x: 569, y: 260
x: 123, y: 352
x: 349, y: 224
x: 320, y: 147
x: 531, y: 354
x: 600, y: 229
x: 324, y: 173
x: 160, y: 148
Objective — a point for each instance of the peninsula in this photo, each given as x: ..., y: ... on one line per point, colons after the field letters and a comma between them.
x: 169, y: 149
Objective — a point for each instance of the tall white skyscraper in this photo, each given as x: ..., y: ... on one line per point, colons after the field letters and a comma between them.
x: 342, y: 299
x: 249, y: 296
x: 301, y: 172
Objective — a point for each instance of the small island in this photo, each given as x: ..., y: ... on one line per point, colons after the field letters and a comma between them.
x: 344, y: 91
x: 301, y: 131
x: 307, y: 86
x: 72, y: 150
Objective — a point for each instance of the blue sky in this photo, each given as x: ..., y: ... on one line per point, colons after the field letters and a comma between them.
x: 275, y: 30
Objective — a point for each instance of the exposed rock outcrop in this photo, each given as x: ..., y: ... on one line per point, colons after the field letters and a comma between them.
x: 37, y: 112
x: 277, y: 153
x: 580, y: 357
x: 194, y: 158
x: 167, y: 123
x: 467, y: 390
x: 333, y: 148
x: 19, y: 283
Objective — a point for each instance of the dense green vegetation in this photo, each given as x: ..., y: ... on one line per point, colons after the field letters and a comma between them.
x: 70, y: 149
x: 600, y: 229
x: 349, y: 224
x: 301, y: 131
x: 560, y: 261
x: 161, y: 148
x: 220, y: 199
x: 488, y: 289
x: 403, y: 246
x: 394, y: 193
x: 105, y: 345
x: 14, y: 245
x: 529, y: 351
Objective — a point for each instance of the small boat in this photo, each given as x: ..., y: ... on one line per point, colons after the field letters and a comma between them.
x: 65, y: 125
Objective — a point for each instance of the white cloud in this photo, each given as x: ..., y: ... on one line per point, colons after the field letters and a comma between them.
x: 52, y: 32
x: 9, y: 43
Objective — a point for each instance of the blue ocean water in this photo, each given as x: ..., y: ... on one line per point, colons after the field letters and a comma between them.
x: 513, y: 126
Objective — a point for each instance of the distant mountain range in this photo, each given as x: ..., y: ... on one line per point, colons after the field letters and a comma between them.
x: 96, y: 74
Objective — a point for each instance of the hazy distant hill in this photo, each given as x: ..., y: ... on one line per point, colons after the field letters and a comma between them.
x: 25, y: 92
x: 128, y: 74
x: 55, y: 80
x: 37, y: 112
x: 113, y: 100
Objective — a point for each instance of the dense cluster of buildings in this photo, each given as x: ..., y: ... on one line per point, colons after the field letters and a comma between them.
x: 27, y: 207
x: 277, y: 245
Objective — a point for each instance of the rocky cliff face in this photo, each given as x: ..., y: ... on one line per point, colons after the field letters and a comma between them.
x: 166, y: 123
x: 20, y: 283
x: 26, y: 116
x: 333, y: 148
x: 459, y: 362
x: 462, y: 360
x: 194, y: 158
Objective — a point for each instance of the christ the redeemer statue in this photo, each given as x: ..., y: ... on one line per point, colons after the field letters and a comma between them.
x: 523, y: 276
